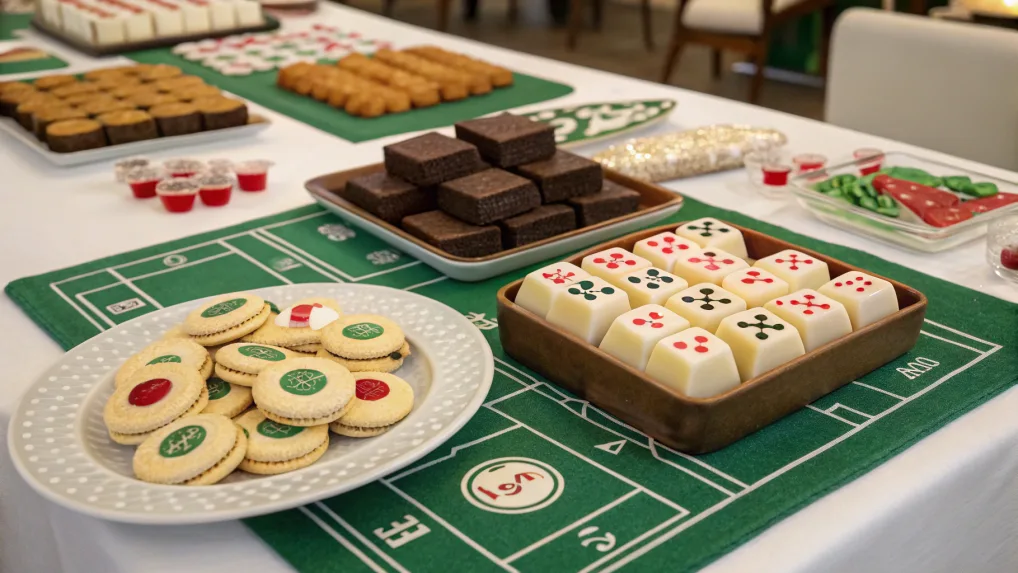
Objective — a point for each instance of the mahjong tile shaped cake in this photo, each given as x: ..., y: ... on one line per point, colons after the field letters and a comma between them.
x: 710, y: 265
x: 588, y: 308
x: 818, y: 319
x: 663, y: 249
x: 709, y: 232
x: 866, y: 298
x: 755, y: 286
x: 612, y: 263
x: 540, y: 287
x: 760, y: 341
x: 694, y: 362
x: 705, y: 305
x: 649, y: 286
x: 633, y: 335
x: 797, y: 269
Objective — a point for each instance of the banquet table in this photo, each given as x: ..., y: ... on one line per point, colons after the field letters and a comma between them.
x: 948, y: 503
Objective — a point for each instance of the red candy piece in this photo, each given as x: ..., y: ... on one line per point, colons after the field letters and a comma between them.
x: 369, y: 389
x: 149, y: 392
x: 946, y: 216
x: 985, y: 204
x: 920, y: 199
x: 1009, y: 258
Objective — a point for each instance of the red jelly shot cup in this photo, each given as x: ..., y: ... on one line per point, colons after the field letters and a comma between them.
x: 177, y: 195
x: 809, y: 162
x: 183, y: 168
x: 776, y: 175
x: 215, y: 190
x: 143, y: 182
x: 252, y: 175
x: 868, y: 160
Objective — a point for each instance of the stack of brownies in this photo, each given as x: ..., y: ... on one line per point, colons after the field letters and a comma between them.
x: 498, y: 185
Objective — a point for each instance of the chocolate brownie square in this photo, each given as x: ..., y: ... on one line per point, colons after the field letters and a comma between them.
x: 430, y: 158
x: 564, y: 176
x: 388, y: 198
x: 508, y: 140
x: 613, y: 201
x: 454, y: 236
x: 541, y: 223
x: 488, y: 196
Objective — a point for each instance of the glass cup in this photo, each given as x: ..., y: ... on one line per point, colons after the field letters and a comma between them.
x: 1002, y: 247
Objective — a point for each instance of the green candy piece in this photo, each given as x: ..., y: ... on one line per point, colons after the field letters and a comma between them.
x: 843, y: 180
x: 983, y: 189
x: 838, y: 194
x: 915, y: 175
x: 888, y: 211
x: 868, y: 203
x: 887, y: 202
x: 957, y: 182
x: 868, y: 189
x: 824, y: 186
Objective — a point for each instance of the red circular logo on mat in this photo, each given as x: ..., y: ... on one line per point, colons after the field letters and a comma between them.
x: 149, y: 392
x: 371, y: 390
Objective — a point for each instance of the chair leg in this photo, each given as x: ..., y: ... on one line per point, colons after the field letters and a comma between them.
x: 760, y: 59
x: 648, y: 28
x: 387, y: 8
x: 675, y: 45
x: 514, y: 11
x: 827, y: 16
x: 575, y: 21
x: 597, y: 8
x: 715, y: 64
x: 443, y: 14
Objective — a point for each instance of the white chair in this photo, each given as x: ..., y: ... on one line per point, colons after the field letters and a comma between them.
x: 948, y: 86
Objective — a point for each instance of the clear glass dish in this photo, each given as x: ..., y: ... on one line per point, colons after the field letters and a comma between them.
x: 914, y: 235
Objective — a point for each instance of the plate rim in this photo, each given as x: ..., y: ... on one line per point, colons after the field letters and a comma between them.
x: 236, y: 512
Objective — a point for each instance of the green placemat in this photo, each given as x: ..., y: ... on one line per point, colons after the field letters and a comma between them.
x: 622, y: 500
x: 260, y: 87
x: 9, y: 23
x: 47, y: 62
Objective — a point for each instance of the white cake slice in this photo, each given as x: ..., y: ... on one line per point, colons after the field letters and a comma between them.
x: 167, y: 18
x: 249, y: 13
x: 196, y: 16
x: 222, y: 15
x: 49, y: 10
x: 108, y: 29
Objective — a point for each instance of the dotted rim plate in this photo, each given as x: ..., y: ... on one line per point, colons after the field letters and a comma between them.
x: 60, y: 448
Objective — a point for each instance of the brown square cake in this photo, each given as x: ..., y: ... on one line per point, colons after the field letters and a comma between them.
x: 539, y: 224
x: 508, y: 140
x: 488, y: 196
x: 387, y: 197
x: 564, y: 176
x: 454, y: 236
x: 431, y: 158
x: 613, y: 201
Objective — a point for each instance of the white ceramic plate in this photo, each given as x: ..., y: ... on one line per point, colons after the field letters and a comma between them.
x: 479, y: 271
x: 11, y: 127
x: 59, y: 443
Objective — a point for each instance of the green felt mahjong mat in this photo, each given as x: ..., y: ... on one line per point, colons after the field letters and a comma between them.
x: 624, y: 501
x: 260, y: 88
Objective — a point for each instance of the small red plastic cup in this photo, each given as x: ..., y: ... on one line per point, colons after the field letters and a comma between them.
x: 809, y: 162
x: 125, y: 166
x: 183, y: 168
x: 143, y: 182
x: 776, y: 175
x: 868, y: 159
x: 252, y: 175
x: 220, y: 166
x: 215, y: 190
x: 177, y: 195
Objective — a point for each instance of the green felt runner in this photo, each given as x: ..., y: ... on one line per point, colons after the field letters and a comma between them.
x: 260, y: 87
x: 10, y: 23
x: 623, y: 502
x: 39, y: 65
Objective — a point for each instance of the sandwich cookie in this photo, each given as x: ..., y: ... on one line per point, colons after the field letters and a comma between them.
x: 388, y: 363
x: 226, y: 318
x: 382, y: 400
x: 240, y: 362
x: 275, y: 448
x: 303, y: 391
x: 362, y: 337
x: 175, y: 351
x: 200, y: 450
x: 151, y: 398
x: 226, y: 399
x: 298, y: 327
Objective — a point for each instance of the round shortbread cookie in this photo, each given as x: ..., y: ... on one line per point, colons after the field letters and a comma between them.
x: 250, y: 358
x: 226, y: 318
x: 275, y: 448
x: 226, y: 399
x: 307, y: 348
x: 362, y: 336
x: 382, y: 400
x: 151, y: 398
x: 389, y: 363
x: 299, y: 325
x: 200, y: 450
x: 178, y: 351
x: 303, y: 391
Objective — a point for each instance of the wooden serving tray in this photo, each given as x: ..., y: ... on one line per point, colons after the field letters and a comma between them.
x: 656, y: 203
x: 113, y: 49
x: 695, y: 425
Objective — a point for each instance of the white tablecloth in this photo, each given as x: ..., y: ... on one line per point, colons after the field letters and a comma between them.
x: 949, y: 503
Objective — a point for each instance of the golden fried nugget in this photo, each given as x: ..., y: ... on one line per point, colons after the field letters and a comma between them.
x: 365, y: 105
x: 447, y: 77
x: 499, y: 76
x: 421, y: 91
x: 288, y: 76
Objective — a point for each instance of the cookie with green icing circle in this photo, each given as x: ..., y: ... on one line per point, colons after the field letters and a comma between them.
x: 199, y: 450
x: 174, y: 351
x: 226, y: 318
x: 240, y: 362
x: 227, y: 399
x: 303, y: 391
x: 362, y: 336
x: 275, y: 448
